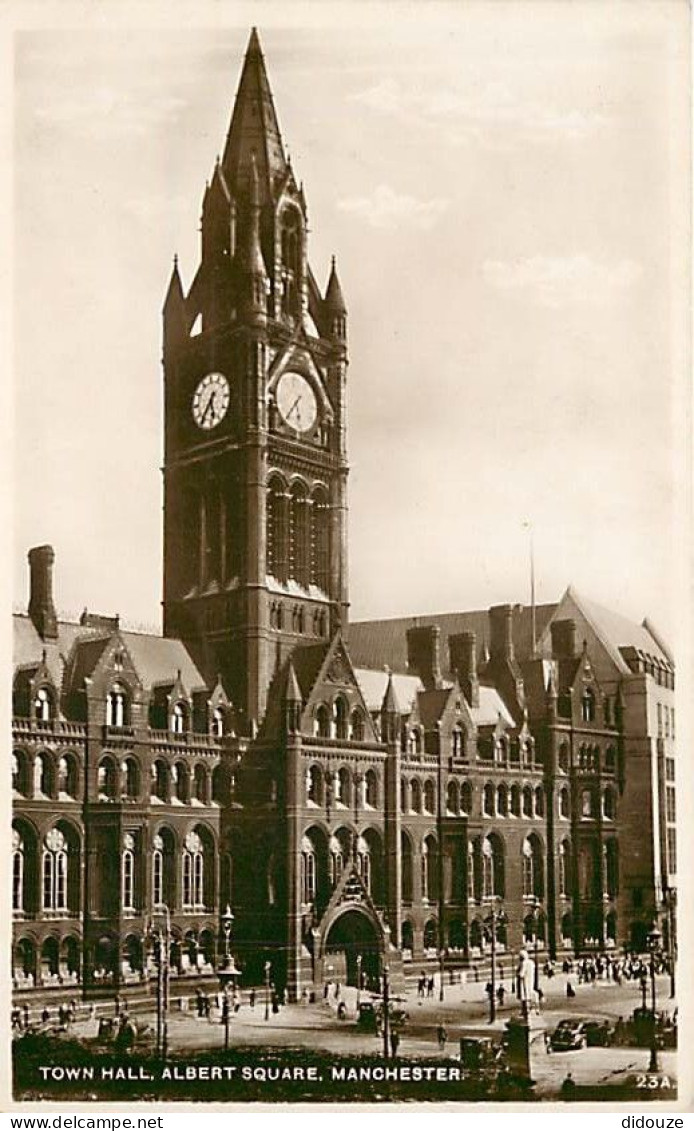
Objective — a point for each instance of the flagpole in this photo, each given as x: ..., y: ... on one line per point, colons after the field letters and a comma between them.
x: 533, y: 620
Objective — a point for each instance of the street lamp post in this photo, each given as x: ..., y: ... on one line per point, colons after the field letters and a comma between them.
x: 495, y: 917
x: 670, y: 902
x: 358, y: 981
x: 227, y: 972
x: 386, y: 1012
x: 268, y: 967
x: 654, y: 937
x: 536, y: 921
x: 161, y: 936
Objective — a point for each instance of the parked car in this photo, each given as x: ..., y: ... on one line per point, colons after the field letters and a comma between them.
x: 570, y: 1034
x: 599, y: 1031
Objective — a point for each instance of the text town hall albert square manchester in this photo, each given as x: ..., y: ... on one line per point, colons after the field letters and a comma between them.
x: 348, y: 791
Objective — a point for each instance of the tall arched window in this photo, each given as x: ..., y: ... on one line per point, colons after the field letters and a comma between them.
x: 429, y: 868
x: 564, y: 803
x: 429, y: 796
x: 371, y: 789
x: 320, y: 540
x: 131, y: 779
x: 608, y: 804
x: 117, y: 707
x: 527, y: 801
x: 564, y: 759
x: 193, y: 872
x: 106, y: 779
x: 539, y: 801
x: 55, y: 871
x: 322, y: 721
x: 452, y: 801
x: 200, y: 784
x: 488, y: 800
x: 466, y: 797
x: 314, y: 785
x: 502, y: 800
x: 67, y: 783
x: 218, y: 723
x: 487, y: 869
x: 336, y: 861
x: 128, y: 873
x: 515, y: 801
x: 344, y: 787
x: 277, y: 549
x: 158, y: 871
x: 308, y: 871
x: 364, y: 862
x: 17, y: 871
x: 404, y: 796
x: 532, y: 861
x: 299, y: 535
x: 407, y: 869
x: 340, y: 717
x: 43, y: 776
x: 357, y: 726
x: 470, y: 870
x: 160, y: 775
x: 565, y: 868
x: 416, y: 795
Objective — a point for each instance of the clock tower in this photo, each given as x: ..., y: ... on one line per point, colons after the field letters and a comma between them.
x: 255, y: 463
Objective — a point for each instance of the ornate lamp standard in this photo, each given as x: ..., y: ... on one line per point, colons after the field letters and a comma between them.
x: 227, y: 972
x: 654, y: 939
x: 386, y: 1011
x: 536, y: 921
x: 359, y: 961
x: 670, y: 906
x: 492, y: 921
x: 161, y: 937
x: 268, y: 967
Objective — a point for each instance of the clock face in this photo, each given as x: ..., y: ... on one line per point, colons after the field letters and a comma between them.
x: 296, y: 402
x: 211, y: 401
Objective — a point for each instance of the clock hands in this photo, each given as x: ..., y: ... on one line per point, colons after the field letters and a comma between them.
x: 296, y: 405
x: 209, y: 407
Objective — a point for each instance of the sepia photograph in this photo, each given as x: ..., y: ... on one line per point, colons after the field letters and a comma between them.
x: 349, y: 380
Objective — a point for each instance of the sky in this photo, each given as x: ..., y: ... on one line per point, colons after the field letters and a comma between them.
x: 505, y: 188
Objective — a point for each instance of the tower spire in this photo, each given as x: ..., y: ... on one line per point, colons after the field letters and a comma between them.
x: 254, y: 127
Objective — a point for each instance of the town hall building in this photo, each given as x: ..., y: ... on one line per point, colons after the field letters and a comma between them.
x: 325, y: 797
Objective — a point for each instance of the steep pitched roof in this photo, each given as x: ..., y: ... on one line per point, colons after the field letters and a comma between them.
x: 254, y: 128
x: 378, y: 642
x: 373, y: 686
x: 156, y: 658
x: 618, y: 631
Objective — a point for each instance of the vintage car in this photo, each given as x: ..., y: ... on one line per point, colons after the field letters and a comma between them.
x: 570, y: 1034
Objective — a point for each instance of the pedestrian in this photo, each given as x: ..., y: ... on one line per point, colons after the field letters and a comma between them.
x: 326, y: 991
x: 341, y: 1011
x: 45, y: 1014
x: 500, y: 995
x: 251, y: 998
x: 337, y: 991
x: 25, y: 1012
x: 489, y: 990
x: 394, y: 1041
x: 568, y: 1086
x: 304, y: 996
x: 430, y: 987
x: 476, y: 973
x: 198, y: 1001
x: 442, y: 1037
x: 421, y: 984
x: 570, y: 991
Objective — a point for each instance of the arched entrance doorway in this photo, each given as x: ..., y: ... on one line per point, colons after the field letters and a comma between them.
x: 351, y: 935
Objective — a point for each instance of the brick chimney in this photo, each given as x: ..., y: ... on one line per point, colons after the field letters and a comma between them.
x: 563, y: 638
x: 501, y: 634
x: 41, y: 607
x: 423, y: 654
x: 462, y: 648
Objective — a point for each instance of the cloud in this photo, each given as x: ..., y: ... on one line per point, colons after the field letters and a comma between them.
x: 556, y: 281
x: 105, y: 109
x: 480, y: 112
x: 385, y: 208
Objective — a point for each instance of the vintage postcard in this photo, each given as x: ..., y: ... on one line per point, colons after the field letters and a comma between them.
x: 350, y: 358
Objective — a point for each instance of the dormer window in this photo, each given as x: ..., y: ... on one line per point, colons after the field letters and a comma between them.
x: 116, y: 707
x: 43, y: 705
x: 588, y: 706
x: 179, y: 718
x: 218, y: 722
x: 457, y: 738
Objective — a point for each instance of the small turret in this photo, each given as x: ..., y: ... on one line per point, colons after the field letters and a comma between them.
x: 334, y: 306
x: 254, y: 270
x: 390, y: 713
x: 175, y: 319
x: 292, y: 700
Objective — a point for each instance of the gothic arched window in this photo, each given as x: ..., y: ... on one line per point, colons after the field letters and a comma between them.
x: 299, y: 535
x: 55, y: 871
x: 117, y: 707
x: 128, y: 873
x: 17, y: 871
x: 320, y: 540
x: 43, y: 705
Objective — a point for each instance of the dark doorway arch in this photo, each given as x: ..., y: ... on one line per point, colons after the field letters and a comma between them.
x: 354, y: 933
